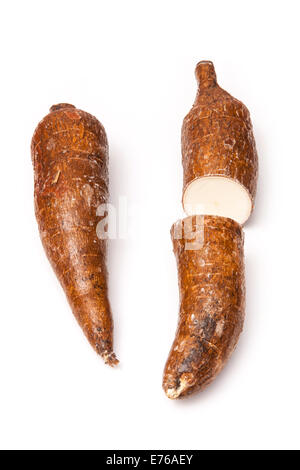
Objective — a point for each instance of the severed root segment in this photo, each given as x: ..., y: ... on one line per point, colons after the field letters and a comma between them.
x: 209, y: 255
x: 70, y: 158
x: 219, y: 155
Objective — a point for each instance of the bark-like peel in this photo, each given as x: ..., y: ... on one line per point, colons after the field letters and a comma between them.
x: 70, y: 157
x: 210, y: 262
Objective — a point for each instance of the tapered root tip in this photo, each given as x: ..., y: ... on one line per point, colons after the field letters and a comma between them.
x: 206, y: 74
x: 59, y: 106
x: 178, y: 385
x: 176, y: 392
x: 110, y: 359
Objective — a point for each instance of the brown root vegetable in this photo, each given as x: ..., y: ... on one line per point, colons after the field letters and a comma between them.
x: 218, y: 152
x: 70, y: 157
x: 209, y: 255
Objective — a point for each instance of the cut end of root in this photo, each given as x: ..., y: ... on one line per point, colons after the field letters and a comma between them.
x: 219, y: 196
x: 59, y: 106
x: 110, y: 358
x: 176, y: 392
x: 205, y: 74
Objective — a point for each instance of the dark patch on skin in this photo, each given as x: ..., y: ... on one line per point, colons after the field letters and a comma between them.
x: 194, y: 357
x: 208, y: 327
x: 98, y: 286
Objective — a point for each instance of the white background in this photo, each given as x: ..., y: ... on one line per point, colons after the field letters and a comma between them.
x: 131, y: 64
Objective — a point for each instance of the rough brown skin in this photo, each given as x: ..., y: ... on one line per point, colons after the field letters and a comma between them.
x: 70, y: 157
x: 217, y: 137
x: 212, y: 302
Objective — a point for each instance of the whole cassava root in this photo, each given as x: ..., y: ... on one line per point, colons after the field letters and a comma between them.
x: 219, y: 155
x: 70, y: 159
x: 212, y: 301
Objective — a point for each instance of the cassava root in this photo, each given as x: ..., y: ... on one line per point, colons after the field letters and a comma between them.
x: 70, y: 159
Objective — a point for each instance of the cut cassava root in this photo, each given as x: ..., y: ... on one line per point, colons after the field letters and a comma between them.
x: 217, y: 141
x: 70, y: 159
x: 220, y: 168
x: 212, y: 301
